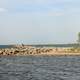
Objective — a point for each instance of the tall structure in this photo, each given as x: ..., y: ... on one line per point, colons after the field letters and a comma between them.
x: 79, y: 38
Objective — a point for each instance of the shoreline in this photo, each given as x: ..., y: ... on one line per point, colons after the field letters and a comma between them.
x: 20, y: 50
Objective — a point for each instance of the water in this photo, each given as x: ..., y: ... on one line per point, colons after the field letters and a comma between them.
x: 6, y: 46
x: 40, y: 68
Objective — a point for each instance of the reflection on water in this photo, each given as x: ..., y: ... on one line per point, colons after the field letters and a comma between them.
x: 40, y: 68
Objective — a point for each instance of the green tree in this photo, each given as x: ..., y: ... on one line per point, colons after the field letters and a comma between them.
x: 79, y: 38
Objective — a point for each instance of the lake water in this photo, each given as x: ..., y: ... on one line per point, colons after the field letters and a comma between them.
x: 40, y: 68
x: 6, y: 46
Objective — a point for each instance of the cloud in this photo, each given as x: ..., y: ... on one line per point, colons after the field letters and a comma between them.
x: 55, y: 13
x: 6, y: 3
x: 3, y: 10
x: 41, y: 1
x: 48, y: 13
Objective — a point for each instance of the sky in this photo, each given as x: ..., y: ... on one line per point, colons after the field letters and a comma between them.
x: 39, y: 21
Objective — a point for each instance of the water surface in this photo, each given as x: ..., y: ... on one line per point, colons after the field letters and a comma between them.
x: 40, y: 68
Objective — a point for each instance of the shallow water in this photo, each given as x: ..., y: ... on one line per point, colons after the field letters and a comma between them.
x: 40, y: 68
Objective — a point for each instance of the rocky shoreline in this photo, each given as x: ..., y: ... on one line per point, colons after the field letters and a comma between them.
x: 21, y: 50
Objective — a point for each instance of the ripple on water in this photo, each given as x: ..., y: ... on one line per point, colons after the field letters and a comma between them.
x: 40, y: 68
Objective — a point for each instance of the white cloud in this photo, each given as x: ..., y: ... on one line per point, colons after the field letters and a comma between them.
x: 55, y: 13
x: 3, y: 10
x: 6, y: 3
x: 40, y: 1
x: 48, y: 13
